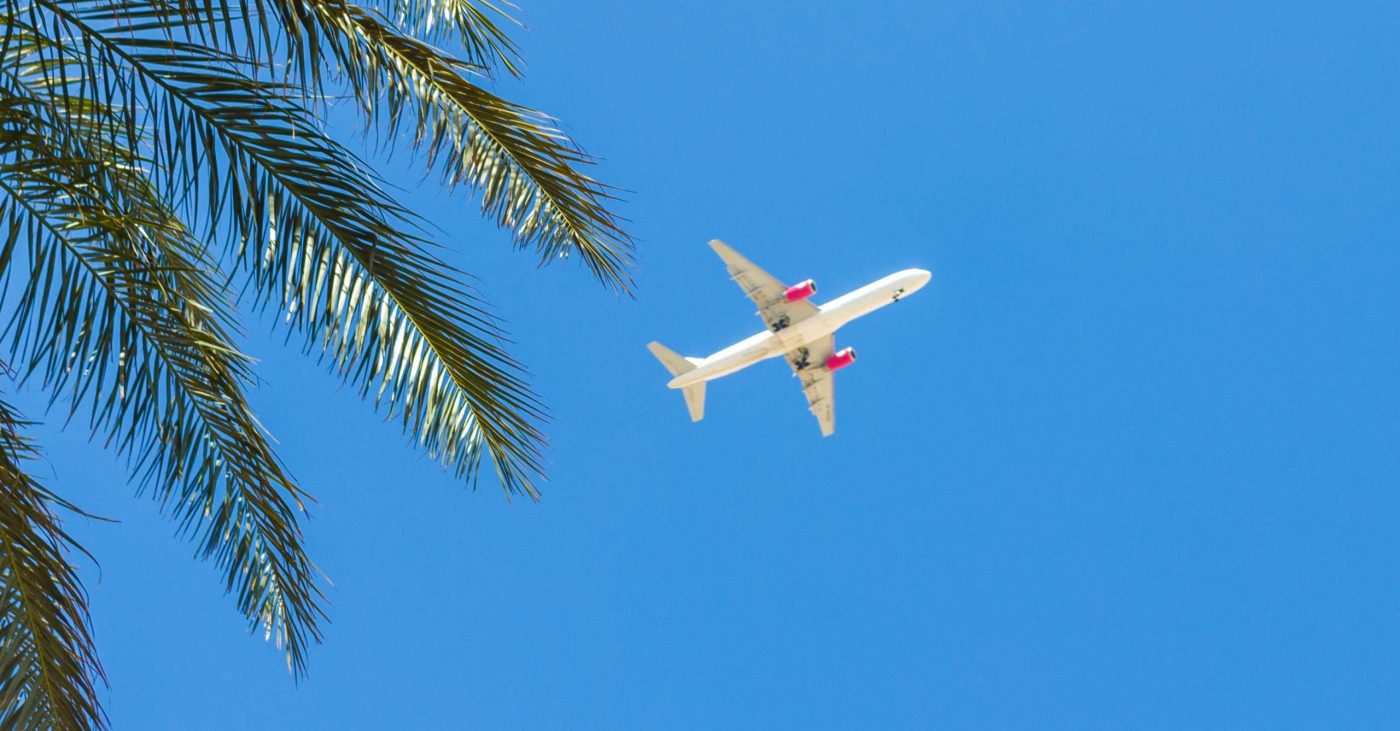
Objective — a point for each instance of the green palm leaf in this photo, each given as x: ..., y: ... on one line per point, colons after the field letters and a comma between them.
x: 321, y: 238
x: 120, y: 311
x: 473, y: 24
x: 139, y: 136
x: 525, y: 169
x: 48, y: 665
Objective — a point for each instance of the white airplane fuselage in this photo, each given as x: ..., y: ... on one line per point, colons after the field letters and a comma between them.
x: 831, y: 316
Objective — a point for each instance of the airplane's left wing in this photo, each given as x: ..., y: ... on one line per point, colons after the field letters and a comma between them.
x: 809, y: 364
x: 764, y: 289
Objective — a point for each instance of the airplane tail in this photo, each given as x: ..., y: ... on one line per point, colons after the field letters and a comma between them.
x: 677, y: 364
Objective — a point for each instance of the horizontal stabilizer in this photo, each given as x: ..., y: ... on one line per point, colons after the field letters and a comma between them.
x: 677, y: 365
x: 695, y: 400
x: 671, y: 359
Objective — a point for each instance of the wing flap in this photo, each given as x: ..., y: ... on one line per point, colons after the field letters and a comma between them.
x: 808, y: 363
x: 765, y: 290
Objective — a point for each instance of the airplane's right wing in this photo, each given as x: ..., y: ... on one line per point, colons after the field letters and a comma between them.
x: 764, y: 289
x: 809, y: 364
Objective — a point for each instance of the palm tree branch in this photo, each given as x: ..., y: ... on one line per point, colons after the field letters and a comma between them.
x: 251, y: 528
x: 470, y: 22
x: 48, y: 665
x: 524, y: 167
x: 190, y: 409
x: 430, y: 346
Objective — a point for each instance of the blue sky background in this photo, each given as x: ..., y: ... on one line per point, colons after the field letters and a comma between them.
x: 1130, y: 460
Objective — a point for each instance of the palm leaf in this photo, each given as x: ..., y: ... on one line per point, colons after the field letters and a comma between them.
x: 125, y: 125
x: 321, y: 238
x: 119, y: 310
x: 525, y: 169
x: 472, y: 23
x: 48, y: 665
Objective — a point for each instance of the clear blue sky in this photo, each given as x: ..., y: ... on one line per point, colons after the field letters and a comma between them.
x: 1130, y: 460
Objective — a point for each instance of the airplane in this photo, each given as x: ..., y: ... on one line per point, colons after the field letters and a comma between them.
x: 798, y: 330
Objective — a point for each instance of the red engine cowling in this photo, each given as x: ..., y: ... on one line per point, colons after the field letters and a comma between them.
x: 801, y: 290
x: 840, y: 359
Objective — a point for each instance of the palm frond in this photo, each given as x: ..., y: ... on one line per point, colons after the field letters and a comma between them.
x: 526, y: 170
x: 322, y: 240
x: 127, y: 125
x: 119, y: 310
x: 48, y: 666
x: 473, y: 23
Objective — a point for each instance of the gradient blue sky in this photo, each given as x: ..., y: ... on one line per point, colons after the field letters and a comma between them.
x: 1129, y: 461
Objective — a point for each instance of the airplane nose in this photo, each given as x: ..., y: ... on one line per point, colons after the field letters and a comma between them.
x: 920, y: 277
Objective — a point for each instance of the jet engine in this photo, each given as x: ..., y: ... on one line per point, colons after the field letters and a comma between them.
x: 801, y: 290
x: 840, y: 359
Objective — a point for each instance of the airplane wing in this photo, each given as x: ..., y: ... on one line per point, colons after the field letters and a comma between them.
x: 763, y: 289
x: 808, y: 364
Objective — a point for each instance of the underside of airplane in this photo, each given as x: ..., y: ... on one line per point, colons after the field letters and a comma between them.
x: 798, y: 330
